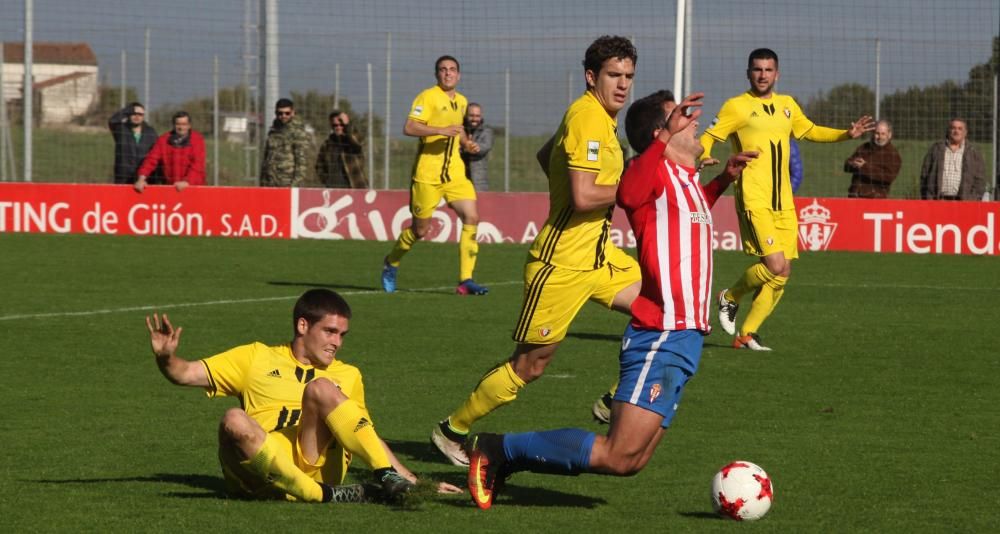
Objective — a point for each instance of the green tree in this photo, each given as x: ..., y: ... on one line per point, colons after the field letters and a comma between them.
x: 841, y: 105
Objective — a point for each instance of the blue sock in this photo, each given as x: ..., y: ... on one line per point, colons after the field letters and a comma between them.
x: 564, y: 452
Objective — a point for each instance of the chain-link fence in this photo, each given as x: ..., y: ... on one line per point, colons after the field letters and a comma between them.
x: 917, y: 63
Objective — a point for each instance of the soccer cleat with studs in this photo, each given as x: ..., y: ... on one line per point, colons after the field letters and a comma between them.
x: 470, y: 287
x: 727, y: 313
x: 601, y: 410
x: 394, y: 486
x: 348, y: 493
x: 487, y: 468
x: 389, y: 277
x: 450, y: 443
x: 750, y: 341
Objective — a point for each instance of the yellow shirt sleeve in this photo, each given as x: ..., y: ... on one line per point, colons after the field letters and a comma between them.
x: 728, y: 121
x: 420, y: 111
x: 227, y: 371
x: 583, y: 143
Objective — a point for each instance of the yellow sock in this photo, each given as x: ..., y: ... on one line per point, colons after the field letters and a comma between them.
x: 753, y: 279
x: 614, y: 389
x: 496, y: 388
x: 283, y: 473
x: 468, y: 249
x: 763, y: 304
x: 403, y: 245
x: 355, y: 432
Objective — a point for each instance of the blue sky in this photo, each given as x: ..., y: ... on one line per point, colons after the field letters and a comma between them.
x: 821, y: 44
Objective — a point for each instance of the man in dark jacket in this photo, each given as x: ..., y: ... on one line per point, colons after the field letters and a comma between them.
x: 874, y: 165
x: 477, y: 150
x: 286, y: 148
x: 134, y: 138
x: 953, y: 169
x: 341, y: 160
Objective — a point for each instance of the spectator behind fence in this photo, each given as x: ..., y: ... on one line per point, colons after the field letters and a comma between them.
x: 874, y: 165
x: 953, y: 169
x: 286, y: 149
x: 341, y: 160
x: 134, y: 138
x: 475, y: 152
x: 179, y: 154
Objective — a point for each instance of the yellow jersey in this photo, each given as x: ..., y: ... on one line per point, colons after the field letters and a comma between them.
x: 765, y: 125
x: 269, y: 382
x: 438, y: 159
x: 587, y: 140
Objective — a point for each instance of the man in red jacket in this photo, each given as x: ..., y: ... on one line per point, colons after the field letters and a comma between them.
x: 181, y: 152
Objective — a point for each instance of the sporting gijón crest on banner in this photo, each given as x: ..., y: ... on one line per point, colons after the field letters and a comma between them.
x: 815, y: 228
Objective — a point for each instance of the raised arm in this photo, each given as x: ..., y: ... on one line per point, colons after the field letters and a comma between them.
x: 163, y: 339
x: 732, y: 171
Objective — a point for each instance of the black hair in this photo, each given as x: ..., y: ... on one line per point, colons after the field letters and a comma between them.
x: 762, y: 53
x: 180, y: 115
x: 644, y: 117
x: 315, y: 304
x: 437, y: 63
x: 607, y: 47
x: 283, y: 103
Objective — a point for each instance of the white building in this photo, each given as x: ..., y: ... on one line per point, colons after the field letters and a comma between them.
x: 64, y: 74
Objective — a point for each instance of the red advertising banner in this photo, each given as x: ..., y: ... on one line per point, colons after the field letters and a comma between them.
x: 159, y: 210
x: 906, y: 226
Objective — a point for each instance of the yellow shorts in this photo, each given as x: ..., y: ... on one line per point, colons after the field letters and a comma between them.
x: 424, y: 198
x: 765, y: 232
x: 243, y: 483
x: 554, y: 295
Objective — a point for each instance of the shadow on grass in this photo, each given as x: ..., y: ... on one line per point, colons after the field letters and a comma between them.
x: 308, y: 285
x: 524, y: 496
x: 213, y: 487
x: 421, y: 451
x: 701, y: 515
x: 617, y: 338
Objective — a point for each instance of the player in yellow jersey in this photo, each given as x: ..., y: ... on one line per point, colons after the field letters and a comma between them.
x: 571, y: 260
x: 762, y: 120
x: 436, y: 117
x: 302, y: 413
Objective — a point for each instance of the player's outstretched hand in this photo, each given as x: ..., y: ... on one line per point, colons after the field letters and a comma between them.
x: 736, y: 164
x: 685, y: 113
x: 444, y: 487
x: 865, y: 124
x: 163, y: 338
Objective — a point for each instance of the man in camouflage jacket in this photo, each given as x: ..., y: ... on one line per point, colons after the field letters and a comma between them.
x: 287, y: 148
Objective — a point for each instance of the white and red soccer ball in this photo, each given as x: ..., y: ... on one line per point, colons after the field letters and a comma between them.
x: 742, y: 491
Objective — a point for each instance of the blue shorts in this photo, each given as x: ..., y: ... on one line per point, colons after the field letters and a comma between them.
x: 655, y: 365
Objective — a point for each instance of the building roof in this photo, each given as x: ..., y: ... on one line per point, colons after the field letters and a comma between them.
x: 51, y: 53
x: 61, y: 79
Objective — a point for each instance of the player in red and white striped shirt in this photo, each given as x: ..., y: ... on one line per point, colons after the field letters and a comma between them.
x: 661, y: 348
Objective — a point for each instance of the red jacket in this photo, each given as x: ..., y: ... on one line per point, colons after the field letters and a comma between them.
x: 183, y: 162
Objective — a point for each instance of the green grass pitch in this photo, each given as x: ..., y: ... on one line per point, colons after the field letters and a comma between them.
x: 877, y: 411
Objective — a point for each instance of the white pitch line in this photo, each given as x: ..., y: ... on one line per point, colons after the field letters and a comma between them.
x: 222, y: 302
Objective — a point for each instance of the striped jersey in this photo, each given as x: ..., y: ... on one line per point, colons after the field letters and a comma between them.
x: 438, y: 159
x: 587, y: 141
x: 765, y: 125
x: 671, y: 217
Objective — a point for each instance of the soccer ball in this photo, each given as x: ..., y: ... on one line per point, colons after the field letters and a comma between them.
x: 742, y: 491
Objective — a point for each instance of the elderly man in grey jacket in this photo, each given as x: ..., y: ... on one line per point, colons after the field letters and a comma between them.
x: 953, y: 169
x: 475, y: 153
